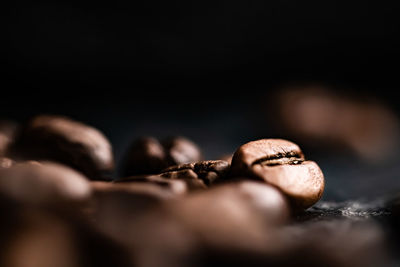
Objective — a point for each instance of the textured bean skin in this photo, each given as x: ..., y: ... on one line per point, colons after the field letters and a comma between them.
x: 61, y: 139
x: 282, y: 164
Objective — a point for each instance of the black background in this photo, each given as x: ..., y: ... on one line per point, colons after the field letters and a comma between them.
x: 192, y: 68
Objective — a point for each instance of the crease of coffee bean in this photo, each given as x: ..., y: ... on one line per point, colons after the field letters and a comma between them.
x: 291, y: 158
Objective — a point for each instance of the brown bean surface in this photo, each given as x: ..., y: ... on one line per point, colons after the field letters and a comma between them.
x: 282, y: 164
x: 61, y: 139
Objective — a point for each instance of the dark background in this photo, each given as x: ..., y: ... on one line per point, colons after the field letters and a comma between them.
x: 199, y: 70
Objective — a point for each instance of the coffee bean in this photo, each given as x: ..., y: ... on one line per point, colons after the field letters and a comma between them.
x: 241, y: 217
x: 136, y: 193
x: 172, y: 185
x: 118, y: 205
x: 44, y: 183
x: 33, y: 235
x: 123, y: 199
x: 6, y: 163
x: 181, y: 150
x: 185, y: 173
x: 64, y: 140
x: 8, y: 130
x: 36, y: 236
x: 229, y: 217
x: 147, y: 155
x: 234, y: 215
x: 282, y: 164
x: 208, y: 171
x: 180, y: 171
x: 135, y: 189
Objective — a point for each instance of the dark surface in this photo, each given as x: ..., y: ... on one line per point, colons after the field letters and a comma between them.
x: 379, y: 211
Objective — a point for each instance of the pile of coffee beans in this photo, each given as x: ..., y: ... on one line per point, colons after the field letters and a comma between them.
x: 64, y: 203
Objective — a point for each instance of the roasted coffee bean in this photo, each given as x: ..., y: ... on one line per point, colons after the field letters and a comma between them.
x: 117, y: 205
x: 282, y: 164
x: 44, y: 183
x: 180, y: 171
x: 235, y: 216
x: 180, y: 150
x: 126, y: 198
x: 39, y: 237
x: 8, y: 130
x: 173, y: 185
x: 141, y: 189
x: 6, y: 163
x: 147, y: 155
x: 249, y: 203
x: 208, y: 171
x: 211, y: 170
x: 185, y: 173
x: 66, y: 141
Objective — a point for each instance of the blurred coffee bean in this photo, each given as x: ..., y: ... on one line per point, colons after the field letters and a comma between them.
x: 129, y: 198
x: 147, y: 155
x: 282, y: 164
x: 37, y: 237
x: 6, y: 163
x: 113, y: 204
x: 208, y: 171
x: 8, y: 130
x: 185, y: 173
x: 67, y: 141
x: 158, y: 191
x: 44, y: 183
x: 211, y: 170
x: 175, y: 186
x: 324, y: 118
x: 241, y: 201
x: 115, y: 207
x: 181, y: 150
x: 229, y: 217
x: 180, y: 171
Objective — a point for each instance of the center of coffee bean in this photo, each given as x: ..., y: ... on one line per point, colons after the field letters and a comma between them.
x: 290, y: 158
